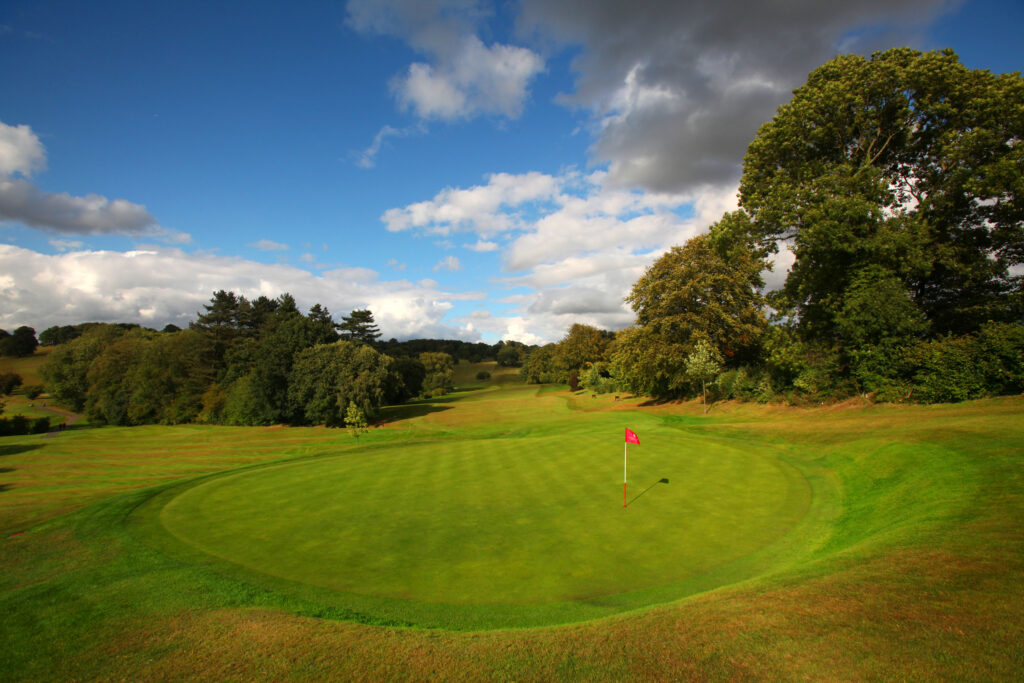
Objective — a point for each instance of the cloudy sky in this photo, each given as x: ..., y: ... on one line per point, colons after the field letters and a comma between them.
x: 463, y: 168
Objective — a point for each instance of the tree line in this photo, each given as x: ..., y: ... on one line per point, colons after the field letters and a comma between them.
x: 896, y: 183
x: 246, y: 362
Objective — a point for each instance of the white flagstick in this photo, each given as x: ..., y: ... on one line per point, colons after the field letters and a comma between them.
x: 625, y: 461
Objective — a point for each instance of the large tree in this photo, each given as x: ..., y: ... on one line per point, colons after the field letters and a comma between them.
x: 359, y: 326
x: 907, y: 169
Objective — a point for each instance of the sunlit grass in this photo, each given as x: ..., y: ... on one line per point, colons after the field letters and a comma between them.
x: 907, y: 563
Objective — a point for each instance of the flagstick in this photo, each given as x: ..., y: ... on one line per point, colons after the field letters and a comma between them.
x: 625, y: 460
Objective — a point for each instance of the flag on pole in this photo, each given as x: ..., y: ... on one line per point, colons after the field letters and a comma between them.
x: 631, y: 437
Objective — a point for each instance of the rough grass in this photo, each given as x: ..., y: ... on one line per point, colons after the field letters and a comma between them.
x: 908, y: 563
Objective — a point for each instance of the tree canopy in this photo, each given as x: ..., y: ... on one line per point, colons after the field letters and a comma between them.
x: 906, y: 167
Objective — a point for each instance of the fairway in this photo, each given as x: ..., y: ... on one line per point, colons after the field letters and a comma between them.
x: 759, y: 541
x: 507, y: 521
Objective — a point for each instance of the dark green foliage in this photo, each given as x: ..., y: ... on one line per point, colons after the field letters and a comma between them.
x: 483, y: 375
x: 907, y: 162
x: 510, y: 354
x: 359, y: 326
x: 16, y: 425
x: 328, y: 378
x: 9, y: 381
x: 67, y: 367
x: 40, y: 425
x: 973, y: 366
x: 407, y: 375
x: 542, y: 366
x: 440, y: 369
x: 19, y: 344
x: 33, y: 391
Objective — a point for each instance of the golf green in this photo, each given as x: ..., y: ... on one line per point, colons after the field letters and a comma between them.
x: 507, y: 521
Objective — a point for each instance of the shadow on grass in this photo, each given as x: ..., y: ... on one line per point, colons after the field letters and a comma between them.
x: 405, y: 412
x: 14, y: 449
x: 663, y: 480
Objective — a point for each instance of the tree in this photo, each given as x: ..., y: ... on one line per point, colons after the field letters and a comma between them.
x: 703, y: 365
x: 704, y: 290
x: 327, y: 378
x: 355, y: 421
x: 19, y: 344
x: 323, y: 325
x: 907, y: 162
x: 542, y: 366
x: 66, y: 368
x: 9, y: 381
x: 440, y: 370
x: 359, y: 326
x: 583, y: 345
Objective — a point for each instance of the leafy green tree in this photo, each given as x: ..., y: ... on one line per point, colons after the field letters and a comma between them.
x: 170, y: 377
x: 66, y: 368
x: 327, y: 378
x: 648, y: 363
x: 266, y: 367
x: 698, y: 292
x: 109, y: 391
x: 510, y: 354
x: 407, y: 380
x: 359, y: 326
x: 355, y: 420
x: 582, y: 346
x: 543, y: 366
x: 908, y: 162
x: 702, y: 365
x: 440, y: 371
x: 19, y: 344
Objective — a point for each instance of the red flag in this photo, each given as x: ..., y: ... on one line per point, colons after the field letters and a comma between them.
x: 631, y: 437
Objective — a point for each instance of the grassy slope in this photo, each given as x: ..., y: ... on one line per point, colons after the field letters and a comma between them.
x: 914, y: 568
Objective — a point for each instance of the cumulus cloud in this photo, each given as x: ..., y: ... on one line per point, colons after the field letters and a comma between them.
x: 154, y: 287
x: 463, y: 77
x: 576, y: 242
x: 483, y: 209
x: 678, y: 89
x: 21, y: 153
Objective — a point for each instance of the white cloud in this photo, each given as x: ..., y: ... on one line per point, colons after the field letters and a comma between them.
x: 166, y: 285
x: 482, y: 209
x: 20, y: 151
x: 476, y: 79
x: 463, y: 77
x: 22, y: 202
x: 482, y: 246
x: 268, y: 245
x: 575, y: 241
x: 396, y: 264
x: 450, y: 263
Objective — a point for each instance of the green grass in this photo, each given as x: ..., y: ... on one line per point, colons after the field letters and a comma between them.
x: 849, y: 542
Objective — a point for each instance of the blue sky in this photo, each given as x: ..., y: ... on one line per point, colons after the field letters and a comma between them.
x: 462, y: 168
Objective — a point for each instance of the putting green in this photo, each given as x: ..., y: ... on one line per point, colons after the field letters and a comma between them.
x: 516, y: 522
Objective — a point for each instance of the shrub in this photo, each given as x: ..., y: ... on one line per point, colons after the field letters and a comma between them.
x: 483, y: 375
x: 41, y: 425
x: 34, y: 391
